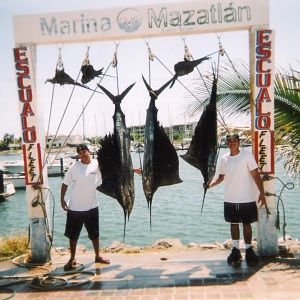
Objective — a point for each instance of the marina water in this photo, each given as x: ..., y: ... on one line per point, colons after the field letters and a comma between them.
x: 175, y: 211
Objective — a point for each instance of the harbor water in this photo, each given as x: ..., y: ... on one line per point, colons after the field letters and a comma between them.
x: 175, y: 212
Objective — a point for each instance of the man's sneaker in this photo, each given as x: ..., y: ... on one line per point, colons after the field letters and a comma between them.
x: 251, y: 257
x: 234, y: 257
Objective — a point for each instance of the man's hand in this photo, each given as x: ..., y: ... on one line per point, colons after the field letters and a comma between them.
x: 262, y: 199
x: 64, y: 204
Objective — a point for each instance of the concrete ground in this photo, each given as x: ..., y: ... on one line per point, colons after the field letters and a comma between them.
x: 193, y: 274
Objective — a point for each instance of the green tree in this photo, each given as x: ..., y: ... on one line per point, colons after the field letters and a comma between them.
x: 233, y: 99
x: 7, y: 139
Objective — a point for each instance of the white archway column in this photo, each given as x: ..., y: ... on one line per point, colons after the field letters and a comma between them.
x: 33, y: 150
x: 262, y: 112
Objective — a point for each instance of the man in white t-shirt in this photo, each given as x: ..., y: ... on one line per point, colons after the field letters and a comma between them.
x: 239, y: 171
x: 83, y: 176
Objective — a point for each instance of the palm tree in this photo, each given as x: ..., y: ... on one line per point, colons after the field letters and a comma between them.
x: 233, y: 99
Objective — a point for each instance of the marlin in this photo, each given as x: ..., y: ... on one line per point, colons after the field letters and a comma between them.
x: 185, y: 67
x: 114, y: 159
x: 203, y: 150
x: 160, y: 165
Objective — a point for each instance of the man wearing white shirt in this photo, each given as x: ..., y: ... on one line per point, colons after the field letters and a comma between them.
x: 239, y: 171
x: 83, y: 176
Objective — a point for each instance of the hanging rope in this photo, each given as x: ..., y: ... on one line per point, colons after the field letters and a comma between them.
x: 114, y: 64
x: 151, y: 57
x: 289, y: 186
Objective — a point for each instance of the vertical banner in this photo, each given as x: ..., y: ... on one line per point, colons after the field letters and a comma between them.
x: 35, y: 176
x: 263, y: 98
x: 28, y: 114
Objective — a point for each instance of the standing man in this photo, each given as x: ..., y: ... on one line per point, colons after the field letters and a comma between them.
x: 239, y: 171
x: 83, y: 176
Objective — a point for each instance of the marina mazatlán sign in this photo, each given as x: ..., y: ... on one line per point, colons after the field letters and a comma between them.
x: 141, y: 21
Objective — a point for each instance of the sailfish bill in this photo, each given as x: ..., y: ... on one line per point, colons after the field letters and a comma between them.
x: 160, y: 165
x: 115, y: 162
x: 203, y: 150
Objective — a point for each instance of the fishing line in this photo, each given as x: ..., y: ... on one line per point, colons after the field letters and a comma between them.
x: 178, y: 79
x: 189, y: 56
x: 60, y: 149
x: 49, y: 121
x: 114, y: 61
x: 62, y: 117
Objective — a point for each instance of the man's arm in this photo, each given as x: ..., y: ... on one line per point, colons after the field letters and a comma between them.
x: 63, y: 191
x: 217, y: 181
x: 259, y: 183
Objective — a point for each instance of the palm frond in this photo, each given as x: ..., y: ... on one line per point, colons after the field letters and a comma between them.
x: 233, y: 98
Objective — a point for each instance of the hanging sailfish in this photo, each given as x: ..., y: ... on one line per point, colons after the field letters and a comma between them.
x: 185, y: 67
x: 89, y: 73
x: 115, y: 160
x: 203, y: 151
x: 161, y: 165
x: 63, y: 78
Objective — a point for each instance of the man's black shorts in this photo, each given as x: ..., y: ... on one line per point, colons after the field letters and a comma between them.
x: 240, y: 212
x: 76, y: 219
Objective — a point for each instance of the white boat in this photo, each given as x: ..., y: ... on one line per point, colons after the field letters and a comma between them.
x: 58, y: 167
x: 6, y: 190
x: 18, y: 180
x: 13, y: 166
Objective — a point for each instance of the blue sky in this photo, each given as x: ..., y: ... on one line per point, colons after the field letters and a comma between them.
x: 133, y: 62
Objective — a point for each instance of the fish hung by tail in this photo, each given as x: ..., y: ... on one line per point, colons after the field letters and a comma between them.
x: 116, y: 159
x: 203, y: 151
x: 160, y: 165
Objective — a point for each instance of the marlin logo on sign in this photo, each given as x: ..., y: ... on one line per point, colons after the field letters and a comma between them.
x: 129, y: 20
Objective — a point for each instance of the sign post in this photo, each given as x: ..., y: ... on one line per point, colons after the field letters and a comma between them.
x: 35, y: 172
x: 262, y: 111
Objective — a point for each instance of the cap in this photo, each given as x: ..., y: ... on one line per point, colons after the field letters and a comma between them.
x: 82, y: 147
x: 232, y: 136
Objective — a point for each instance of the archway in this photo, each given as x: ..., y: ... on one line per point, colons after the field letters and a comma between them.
x: 146, y: 21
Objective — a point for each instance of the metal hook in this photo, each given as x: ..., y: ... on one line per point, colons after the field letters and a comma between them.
x: 221, y: 49
x: 86, y: 60
x: 187, y: 54
x: 59, y: 63
x: 150, y: 53
x: 114, y: 61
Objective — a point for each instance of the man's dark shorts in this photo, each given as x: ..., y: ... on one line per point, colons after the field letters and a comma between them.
x: 240, y: 212
x: 76, y: 219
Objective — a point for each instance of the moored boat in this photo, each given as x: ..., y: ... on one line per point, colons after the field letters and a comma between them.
x: 18, y: 180
x: 6, y: 188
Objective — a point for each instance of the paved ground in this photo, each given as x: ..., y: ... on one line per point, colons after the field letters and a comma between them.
x: 194, y: 274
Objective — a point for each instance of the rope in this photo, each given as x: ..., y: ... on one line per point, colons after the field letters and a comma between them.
x: 114, y: 64
x: 189, y: 56
x: 48, y: 281
x: 289, y: 185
